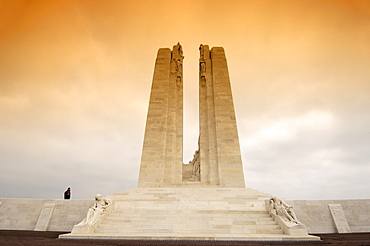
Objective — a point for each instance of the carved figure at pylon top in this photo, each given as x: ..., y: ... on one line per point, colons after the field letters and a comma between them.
x: 201, y: 50
x: 178, y: 51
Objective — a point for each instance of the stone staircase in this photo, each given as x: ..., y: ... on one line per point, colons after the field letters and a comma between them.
x: 188, y: 214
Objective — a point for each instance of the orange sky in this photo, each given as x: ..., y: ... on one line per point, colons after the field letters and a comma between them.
x: 75, y: 79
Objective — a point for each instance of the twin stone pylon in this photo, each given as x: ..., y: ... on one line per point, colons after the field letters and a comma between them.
x: 217, y: 162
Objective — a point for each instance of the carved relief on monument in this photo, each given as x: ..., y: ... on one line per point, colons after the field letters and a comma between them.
x: 178, y: 81
x: 173, y: 67
x: 201, y: 51
x: 196, y: 167
x: 277, y: 207
x: 285, y: 217
x: 176, y: 67
x: 179, y: 50
x: 93, y: 216
x: 203, y: 81
x: 193, y: 173
x: 176, y: 61
x: 202, y: 67
x: 179, y: 67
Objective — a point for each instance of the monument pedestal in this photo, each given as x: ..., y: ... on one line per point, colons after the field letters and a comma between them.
x: 189, y: 214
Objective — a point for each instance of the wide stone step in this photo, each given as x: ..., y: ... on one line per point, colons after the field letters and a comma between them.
x: 157, y: 217
x: 197, y: 231
x: 188, y: 208
x: 197, y: 189
x: 158, y: 202
x: 189, y: 211
x: 192, y: 193
x: 185, y: 223
x: 184, y: 219
x: 195, y: 215
x: 194, y: 236
x: 193, y: 226
x: 241, y: 203
x: 189, y: 204
x: 181, y: 204
x: 184, y: 196
x: 192, y: 219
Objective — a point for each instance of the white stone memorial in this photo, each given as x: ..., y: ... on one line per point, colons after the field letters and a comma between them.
x: 205, y: 199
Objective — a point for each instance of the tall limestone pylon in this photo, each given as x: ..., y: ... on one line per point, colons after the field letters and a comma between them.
x: 162, y: 149
x: 217, y: 162
x: 220, y: 158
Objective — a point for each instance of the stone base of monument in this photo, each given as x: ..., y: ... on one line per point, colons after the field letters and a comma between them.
x: 189, y: 214
x: 86, y: 229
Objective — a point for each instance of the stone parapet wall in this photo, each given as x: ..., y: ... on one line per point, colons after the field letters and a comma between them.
x: 24, y: 214
x: 315, y: 214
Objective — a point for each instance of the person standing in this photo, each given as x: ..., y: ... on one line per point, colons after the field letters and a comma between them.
x: 67, y: 193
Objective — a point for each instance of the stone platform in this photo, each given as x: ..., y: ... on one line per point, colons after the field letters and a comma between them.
x: 189, y: 214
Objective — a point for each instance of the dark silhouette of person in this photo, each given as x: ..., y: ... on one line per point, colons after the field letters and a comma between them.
x: 67, y: 193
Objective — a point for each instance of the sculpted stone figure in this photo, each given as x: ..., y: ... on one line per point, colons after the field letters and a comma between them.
x: 173, y: 66
x: 177, y: 51
x: 196, y: 166
x: 176, y: 62
x: 201, y: 50
x: 202, y: 67
x: 203, y: 81
x: 179, y: 47
x: 279, y: 208
x: 178, y: 81
x: 179, y: 66
x: 95, y: 212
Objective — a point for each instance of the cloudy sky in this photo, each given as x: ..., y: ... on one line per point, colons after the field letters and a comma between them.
x: 75, y: 80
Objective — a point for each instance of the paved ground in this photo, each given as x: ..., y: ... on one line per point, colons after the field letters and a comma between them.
x: 33, y: 238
